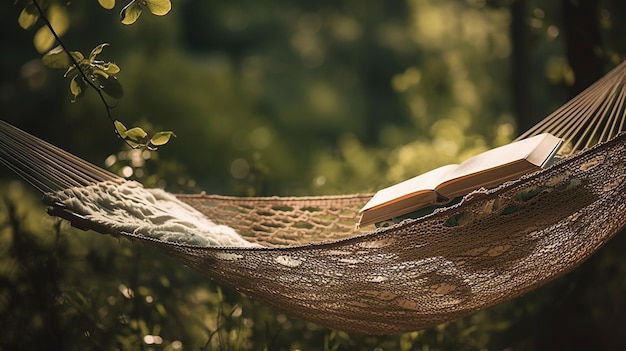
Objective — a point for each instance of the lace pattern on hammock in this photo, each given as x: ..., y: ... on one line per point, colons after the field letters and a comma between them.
x: 492, y: 247
x: 284, y: 221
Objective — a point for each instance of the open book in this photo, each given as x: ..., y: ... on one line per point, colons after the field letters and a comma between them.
x: 439, y: 186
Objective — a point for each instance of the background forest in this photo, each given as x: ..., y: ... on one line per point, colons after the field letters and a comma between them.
x: 290, y: 98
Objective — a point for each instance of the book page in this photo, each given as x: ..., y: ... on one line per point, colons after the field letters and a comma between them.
x: 500, y: 164
x: 506, y: 154
x: 425, y: 182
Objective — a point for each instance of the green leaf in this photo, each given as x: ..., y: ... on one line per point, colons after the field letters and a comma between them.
x: 159, y: 7
x: 111, y: 68
x: 160, y: 138
x: 107, y: 4
x: 130, y: 12
x: 134, y: 137
x: 112, y: 87
x: 120, y: 128
x: 69, y: 70
x: 100, y: 73
x: 56, y: 58
x: 28, y: 17
x: 78, y: 56
x: 106, y: 67
x: 135, y: 134
x: 77, y: 87
x: 44, y: 39
x: 132, y: 144
x: 96, y: 51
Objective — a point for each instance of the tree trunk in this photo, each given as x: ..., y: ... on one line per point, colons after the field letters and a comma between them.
x: 582, y: 41
x: 523, y: 110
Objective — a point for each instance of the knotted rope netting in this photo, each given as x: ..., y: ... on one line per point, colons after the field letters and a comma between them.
x: 305, y: 257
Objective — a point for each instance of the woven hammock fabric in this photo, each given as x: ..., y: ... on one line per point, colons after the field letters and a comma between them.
x: 421, y: 272
x: 493, y: 246
x: 304, y: 256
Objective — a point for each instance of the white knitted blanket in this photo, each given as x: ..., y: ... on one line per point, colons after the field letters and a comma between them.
x: 128, y: 207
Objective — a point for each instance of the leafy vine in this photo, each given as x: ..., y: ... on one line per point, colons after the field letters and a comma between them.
x: 89, y: 71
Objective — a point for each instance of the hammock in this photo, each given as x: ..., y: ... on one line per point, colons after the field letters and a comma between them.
x: 303, y: 255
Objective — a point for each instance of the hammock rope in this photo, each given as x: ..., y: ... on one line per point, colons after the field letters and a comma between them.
x: 595, y: 115
x: 304, y: 256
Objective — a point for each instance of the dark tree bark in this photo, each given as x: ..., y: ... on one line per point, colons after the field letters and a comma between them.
x: 583, y: 40
x: 523, y: 110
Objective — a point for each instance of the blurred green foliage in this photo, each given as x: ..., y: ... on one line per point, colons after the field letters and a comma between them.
x: 282, y: 98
